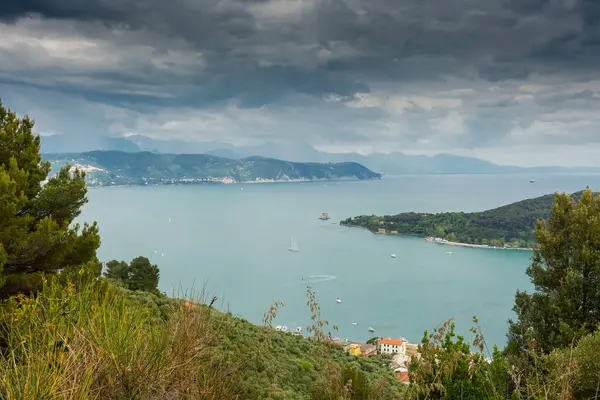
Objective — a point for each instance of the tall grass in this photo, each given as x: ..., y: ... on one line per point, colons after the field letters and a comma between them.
x: 90, y: 340
x: 86, y: 338
x: 447, y: 369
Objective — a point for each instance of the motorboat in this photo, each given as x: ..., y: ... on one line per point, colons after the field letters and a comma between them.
x: 338, y: 300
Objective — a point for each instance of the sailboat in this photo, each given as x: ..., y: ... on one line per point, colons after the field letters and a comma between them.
x: 294, y: 246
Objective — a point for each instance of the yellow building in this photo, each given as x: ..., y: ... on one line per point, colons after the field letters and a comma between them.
x: 354, y: 349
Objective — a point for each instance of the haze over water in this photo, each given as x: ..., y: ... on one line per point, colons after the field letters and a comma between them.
x: 235, y: 242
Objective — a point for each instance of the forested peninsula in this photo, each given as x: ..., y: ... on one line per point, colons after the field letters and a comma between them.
x: 512, y: 225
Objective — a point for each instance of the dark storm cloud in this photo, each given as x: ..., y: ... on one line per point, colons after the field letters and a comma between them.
x: 425, y: 68
x: 502, y: 39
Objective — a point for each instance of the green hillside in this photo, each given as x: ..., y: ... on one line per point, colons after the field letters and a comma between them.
x: 512, y: 224
x: 92, y: 339
x: 107, y: 168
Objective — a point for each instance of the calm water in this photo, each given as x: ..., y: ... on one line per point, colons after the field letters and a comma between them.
x: 234, y: 242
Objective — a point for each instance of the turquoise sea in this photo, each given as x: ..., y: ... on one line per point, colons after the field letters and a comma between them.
x: 232, y: 241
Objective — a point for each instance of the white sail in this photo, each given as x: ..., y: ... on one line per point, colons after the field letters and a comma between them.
x: 294, y: 245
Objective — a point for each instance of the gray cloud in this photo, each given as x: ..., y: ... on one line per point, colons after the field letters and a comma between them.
x: 380, y: 74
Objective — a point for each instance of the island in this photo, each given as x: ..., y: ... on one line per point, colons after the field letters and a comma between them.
x: 507, y: 227
x: 117, y: 168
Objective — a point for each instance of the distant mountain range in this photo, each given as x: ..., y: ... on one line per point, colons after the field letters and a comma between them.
x: 112, y: 168
x: 394, y: 163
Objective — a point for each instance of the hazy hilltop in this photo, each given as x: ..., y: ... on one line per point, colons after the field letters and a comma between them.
x: 78, y: 144
x: 107, y: 168
x: 298, y: 151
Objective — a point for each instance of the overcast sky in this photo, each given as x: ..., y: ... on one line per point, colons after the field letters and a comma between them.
x: 513, y: 81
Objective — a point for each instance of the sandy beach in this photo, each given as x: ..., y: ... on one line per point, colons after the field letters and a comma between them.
x: 445, y: 242
x: 477, y: 246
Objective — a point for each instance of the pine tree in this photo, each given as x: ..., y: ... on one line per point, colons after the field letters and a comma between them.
x: 566, y: 274
x: 117, y: 270
x: 143, y: 275
x: 36, y: 213
x: 139, y: 274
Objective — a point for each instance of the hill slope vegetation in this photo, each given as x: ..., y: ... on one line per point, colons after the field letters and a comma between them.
x: 119, y: 168
x: 512, y: 224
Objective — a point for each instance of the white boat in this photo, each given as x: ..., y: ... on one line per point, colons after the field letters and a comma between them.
x: 284, y: 328
x: 355, y: 323
x: 278, y: 328
x: 532, y: 181
x: 393, y: 255
x: 169, y: 219
x: 294, y: 246
x: 371, y: 329
x: 338, y: 300
x: 448, y: 252
x: 298, y: 330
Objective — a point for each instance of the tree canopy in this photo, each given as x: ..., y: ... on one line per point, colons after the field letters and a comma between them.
x: 565, y: 271
x: 139, y: 274
x: 512, y: 224
x: 36, y: 234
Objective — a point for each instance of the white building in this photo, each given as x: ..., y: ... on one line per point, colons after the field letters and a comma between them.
x: 391, y: 346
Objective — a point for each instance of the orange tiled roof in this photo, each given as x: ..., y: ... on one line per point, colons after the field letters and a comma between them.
x: 402, y: 376
x: 393, y: 342
x: 411, y: 349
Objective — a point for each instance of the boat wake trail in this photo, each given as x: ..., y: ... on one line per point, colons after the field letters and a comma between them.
x: 318, y: 278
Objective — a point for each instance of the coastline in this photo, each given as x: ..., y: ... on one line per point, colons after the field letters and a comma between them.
x: 233, y: 182
x: 443, y: 242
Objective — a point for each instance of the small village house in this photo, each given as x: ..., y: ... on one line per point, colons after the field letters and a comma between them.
x: 391, y: 346
x: 412, y: 349
x: 368, y: 349
x: 354, y: 349
x: 401, y: 361
x: 357, y: 349
x: 402, y: 375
